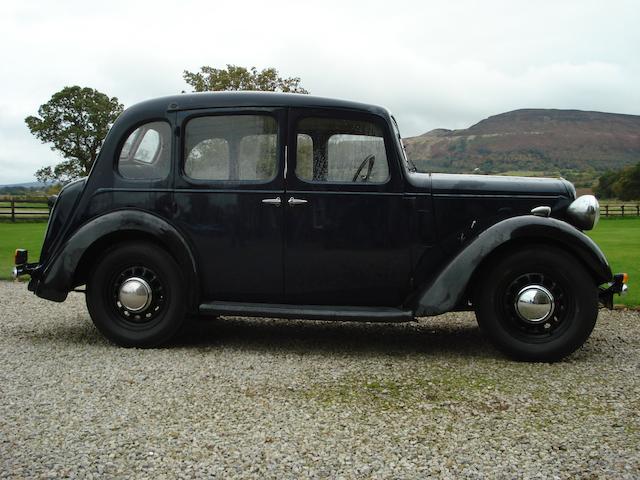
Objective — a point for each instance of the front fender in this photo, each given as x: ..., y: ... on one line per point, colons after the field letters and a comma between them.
x: 55, y: 279
x: 446, y: 290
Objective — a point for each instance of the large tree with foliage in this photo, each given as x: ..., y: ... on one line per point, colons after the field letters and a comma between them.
x: 623, y: 184
x: 74, y: 121
x: 241, y: 78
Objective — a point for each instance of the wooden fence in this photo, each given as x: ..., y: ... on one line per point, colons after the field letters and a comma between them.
x: 37, y: 209
x: 620, y: 210
x: 21, y: 209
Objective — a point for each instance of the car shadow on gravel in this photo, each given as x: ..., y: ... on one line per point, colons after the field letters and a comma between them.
x: 461, y: 338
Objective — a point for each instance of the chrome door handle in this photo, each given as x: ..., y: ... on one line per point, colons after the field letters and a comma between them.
x: 272, y: 201
x: 293, y: 201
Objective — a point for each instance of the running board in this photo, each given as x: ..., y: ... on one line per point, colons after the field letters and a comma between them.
x: 311, y: 312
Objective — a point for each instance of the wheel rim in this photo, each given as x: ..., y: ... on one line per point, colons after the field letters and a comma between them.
x: 536, y: 306
x: 137, y: 295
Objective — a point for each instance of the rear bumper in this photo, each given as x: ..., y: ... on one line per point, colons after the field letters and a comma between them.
x: 21, y: 263
x: 37, y: 284
x: 24, y: 269
x: 618, y: 286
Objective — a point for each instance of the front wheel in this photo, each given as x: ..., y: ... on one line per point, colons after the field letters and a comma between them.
x: 538, y: 304
x: 136, y: 296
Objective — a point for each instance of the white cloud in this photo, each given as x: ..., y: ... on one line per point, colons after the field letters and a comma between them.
x: 434, y: 64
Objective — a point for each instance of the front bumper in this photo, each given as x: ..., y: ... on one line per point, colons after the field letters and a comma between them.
x: 618, y: 286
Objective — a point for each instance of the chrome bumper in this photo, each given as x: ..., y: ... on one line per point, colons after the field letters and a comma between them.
x: 24, y: 269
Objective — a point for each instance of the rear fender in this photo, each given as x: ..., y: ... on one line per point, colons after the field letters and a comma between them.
x: 57, y: 275
x: 447, y: 289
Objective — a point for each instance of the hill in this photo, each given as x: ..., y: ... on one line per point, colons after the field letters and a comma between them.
x: 576, y: 144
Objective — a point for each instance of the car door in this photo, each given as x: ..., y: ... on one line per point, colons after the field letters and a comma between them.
x: 227, y: 194
x: 346, y: 223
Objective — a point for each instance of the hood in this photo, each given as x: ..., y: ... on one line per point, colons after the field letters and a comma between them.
x: 465, y: 205
x: 492, y: 185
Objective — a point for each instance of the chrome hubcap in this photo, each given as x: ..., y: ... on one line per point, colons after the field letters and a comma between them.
x: 534, y: 304
x: 135, y: 294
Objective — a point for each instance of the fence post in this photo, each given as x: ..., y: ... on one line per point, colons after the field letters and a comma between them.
x: 622, y: 210
x: 13, y: 210
x: 637, y: 210
x: 606, y: 211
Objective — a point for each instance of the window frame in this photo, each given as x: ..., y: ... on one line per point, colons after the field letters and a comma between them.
x: 187, y: 116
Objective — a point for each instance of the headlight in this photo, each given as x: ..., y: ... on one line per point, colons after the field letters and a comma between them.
x: 584, y: 212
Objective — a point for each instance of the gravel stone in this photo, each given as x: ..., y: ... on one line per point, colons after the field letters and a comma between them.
x: 259, y: 398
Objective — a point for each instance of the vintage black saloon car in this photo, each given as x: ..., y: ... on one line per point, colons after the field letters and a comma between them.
x: 295, y: 206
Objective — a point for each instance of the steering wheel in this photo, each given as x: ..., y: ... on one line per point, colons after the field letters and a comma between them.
x: 371, y: 159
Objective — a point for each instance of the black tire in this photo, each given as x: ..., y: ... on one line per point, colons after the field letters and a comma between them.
x: 157, y: 322
x: 571, y: 321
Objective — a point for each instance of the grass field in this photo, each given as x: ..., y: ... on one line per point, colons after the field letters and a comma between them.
x: 618, y: 238
x: 19, y: 235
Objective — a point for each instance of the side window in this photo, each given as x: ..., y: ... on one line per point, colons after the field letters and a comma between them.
x: 339, y: 150
x: 146, y: 154
x: 231, y: 148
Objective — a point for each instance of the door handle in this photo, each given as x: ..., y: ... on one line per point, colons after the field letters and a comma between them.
x: 272, y: 201
x: 293, y: 201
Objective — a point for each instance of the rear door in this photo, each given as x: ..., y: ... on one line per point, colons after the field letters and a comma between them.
x: 227, y: 192
x: 346, y: 223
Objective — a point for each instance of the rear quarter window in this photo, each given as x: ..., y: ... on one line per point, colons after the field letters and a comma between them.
x: 146, y: 154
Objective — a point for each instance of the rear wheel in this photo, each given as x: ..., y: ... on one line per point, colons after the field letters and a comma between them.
x: 136, y: 296
x: 538, y: 304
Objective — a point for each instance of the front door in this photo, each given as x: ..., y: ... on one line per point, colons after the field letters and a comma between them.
x: 346, y: 223
x: 227, y: 191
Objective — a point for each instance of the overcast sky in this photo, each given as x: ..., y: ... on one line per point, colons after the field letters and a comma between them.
x: 434, y: 64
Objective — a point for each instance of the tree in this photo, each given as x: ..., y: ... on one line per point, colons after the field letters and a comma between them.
x: 627, y: 187
x: 241, y: 78
x: 605, y: 184
x: 622, y: 184
x: 75, y: 121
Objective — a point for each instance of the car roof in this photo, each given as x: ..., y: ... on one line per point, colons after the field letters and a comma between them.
x: 192, y: 101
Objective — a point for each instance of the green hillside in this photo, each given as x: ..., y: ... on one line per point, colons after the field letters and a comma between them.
x: 576, y: 144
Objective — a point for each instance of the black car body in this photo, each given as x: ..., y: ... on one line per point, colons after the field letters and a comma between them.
x: 299, y: 206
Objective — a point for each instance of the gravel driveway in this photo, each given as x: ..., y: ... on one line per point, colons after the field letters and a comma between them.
x: 288, y: 399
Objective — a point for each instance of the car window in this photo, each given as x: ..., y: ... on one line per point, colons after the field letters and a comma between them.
x: 231, y: 148
x: 340, y: 150
x: 148, y: 147
x: 146, y: 154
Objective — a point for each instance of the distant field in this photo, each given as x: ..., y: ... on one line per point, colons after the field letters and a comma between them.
x: 618, y: 238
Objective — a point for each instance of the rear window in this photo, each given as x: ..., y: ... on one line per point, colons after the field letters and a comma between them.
x: 231, y: 148
x: 146, y: 153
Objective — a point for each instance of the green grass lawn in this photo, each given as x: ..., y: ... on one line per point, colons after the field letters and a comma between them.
x: 27, y: 235
x: 618, y: 238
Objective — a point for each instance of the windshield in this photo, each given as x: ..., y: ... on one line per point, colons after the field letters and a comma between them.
x: 408, y: 163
